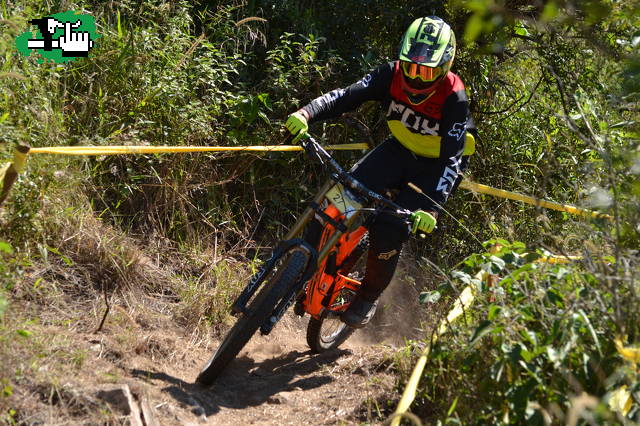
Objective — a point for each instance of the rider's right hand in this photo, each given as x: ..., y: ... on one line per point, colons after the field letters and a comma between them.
x: 423, y: 222
x: 297, y: 124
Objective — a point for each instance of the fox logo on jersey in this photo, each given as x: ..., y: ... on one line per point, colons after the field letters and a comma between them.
x: 458, y: 130
x: 448, y: 177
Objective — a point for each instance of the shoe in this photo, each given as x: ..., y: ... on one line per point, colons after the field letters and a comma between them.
x: 359, y: 313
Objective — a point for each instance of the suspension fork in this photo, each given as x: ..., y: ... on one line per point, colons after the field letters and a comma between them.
x: 239, y: 306
x: 289, y: 241
x: 290, y: 298
x: 314, y: 263
x: 311, y: 269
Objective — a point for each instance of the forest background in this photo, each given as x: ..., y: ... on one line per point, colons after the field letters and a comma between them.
x: 554, y: 88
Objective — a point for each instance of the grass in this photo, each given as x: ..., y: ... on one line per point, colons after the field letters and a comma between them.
x: 57, y: 284
x: 52, y: 353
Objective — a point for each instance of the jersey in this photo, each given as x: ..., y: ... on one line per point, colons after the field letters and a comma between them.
x: 432, y: 127
x: 424, y: 127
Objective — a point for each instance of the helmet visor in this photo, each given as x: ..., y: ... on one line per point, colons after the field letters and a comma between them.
x: 424, y: 73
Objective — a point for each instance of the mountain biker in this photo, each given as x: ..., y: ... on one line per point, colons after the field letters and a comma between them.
x: 427, y: 111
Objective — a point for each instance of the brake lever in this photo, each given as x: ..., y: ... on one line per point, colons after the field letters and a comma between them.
x: 313, y: 154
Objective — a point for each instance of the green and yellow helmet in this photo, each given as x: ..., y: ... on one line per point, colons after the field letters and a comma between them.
x: 426, y: 54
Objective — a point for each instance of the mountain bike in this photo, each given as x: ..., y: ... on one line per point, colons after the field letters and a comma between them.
x: 320, y: 273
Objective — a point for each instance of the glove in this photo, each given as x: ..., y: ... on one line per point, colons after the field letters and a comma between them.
x: 422, y: 222
x: 297, y: 125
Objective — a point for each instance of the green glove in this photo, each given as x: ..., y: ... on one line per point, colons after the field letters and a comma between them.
x: 297, y: 125
x: 423, y: 222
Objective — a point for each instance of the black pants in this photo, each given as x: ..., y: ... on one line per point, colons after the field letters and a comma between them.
x: 390, y: 166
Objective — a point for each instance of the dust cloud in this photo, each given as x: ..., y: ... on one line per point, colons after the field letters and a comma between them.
x: 400, y: 315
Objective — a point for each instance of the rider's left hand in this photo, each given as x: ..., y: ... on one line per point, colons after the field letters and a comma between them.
x: 423, y: 222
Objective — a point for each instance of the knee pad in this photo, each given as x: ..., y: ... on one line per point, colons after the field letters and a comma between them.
x: 387, y: 234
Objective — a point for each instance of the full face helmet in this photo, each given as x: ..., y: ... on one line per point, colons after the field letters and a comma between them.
x: 426, y: 54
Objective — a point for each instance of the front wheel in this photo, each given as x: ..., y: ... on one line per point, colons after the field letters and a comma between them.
x: 281, y: 280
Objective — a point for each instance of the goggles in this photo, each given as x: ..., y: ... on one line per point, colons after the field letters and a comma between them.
x: 427, y: 74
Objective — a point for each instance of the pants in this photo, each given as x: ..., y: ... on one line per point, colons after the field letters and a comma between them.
x: 390, y: 166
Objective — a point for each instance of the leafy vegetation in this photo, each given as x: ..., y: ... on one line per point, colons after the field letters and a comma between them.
x: 538, y: 345
x: 555, y: 90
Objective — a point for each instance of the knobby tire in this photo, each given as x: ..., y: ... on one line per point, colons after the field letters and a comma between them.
x: 276, y: 287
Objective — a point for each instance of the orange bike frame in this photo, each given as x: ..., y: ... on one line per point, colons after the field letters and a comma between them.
x: 323, y: 288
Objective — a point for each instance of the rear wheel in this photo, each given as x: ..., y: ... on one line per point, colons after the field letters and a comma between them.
x: 281, y: 280
x: 328, y: 332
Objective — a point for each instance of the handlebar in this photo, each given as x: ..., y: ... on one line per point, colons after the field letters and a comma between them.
x: 316, y: 151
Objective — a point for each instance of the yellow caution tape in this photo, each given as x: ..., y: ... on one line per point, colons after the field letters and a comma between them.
x: 116, y: 150
x: 484, y: 189
x: 20, y: 158
x: 461, y: 304
x: 403, y: 416
x: 621, y: 400
x: 631, y: 354
x: 558, y: 259
x: 20, y: 161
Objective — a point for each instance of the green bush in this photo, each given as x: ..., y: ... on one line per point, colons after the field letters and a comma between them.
x: 534, y: 343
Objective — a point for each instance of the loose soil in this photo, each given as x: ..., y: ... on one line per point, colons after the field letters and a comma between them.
x: 275, y: 380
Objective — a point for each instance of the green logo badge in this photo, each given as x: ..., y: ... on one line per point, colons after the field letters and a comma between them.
x: 62, y: 37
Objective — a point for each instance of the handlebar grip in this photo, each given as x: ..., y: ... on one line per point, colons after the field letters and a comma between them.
x: 288, y: 138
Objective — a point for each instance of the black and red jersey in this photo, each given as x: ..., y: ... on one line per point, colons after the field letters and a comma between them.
x: 433, y: 127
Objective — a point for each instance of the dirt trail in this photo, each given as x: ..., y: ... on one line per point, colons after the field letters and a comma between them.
x: 276, y: 380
